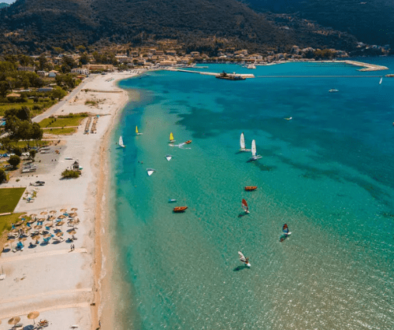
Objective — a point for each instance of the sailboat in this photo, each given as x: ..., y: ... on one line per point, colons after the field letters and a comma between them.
x: 245, y: 206
x: 381, y: 80
x: 136, y: 131
x: 168, y: 157
x: 150, y: 171
x: 243, y: 259
x: 254, y: 156
x: 285, y: 230
x: 242, y: 143
x: 121, y: 143
x: 172, y: 140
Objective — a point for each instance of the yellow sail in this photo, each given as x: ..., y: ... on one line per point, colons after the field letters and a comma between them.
x: 136, y: 129
x: 171, y: 137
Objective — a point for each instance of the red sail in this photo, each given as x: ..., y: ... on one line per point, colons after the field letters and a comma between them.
x: 245, y: 205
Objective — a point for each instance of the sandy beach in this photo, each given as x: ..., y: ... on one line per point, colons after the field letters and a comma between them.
x: 63, y: 285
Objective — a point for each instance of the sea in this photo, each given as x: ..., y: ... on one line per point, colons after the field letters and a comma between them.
x: 328, y: 173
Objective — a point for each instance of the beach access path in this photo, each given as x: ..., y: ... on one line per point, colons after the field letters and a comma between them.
x: 58, y: 283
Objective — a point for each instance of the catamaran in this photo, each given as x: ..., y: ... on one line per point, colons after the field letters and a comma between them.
x: 289, y: 118
x: 168, y: 157
x: 136, y: 131
x: 245, y: 206
x: 242, y: 143
x: 243, y: 259
x: 381, y: 80
x: 150, y: 171
x: 172, y: 140
x: 254, y: 156
x: 121, y: 143
x: 285, y: 230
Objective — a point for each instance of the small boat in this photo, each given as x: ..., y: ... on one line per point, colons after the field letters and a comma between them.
x: 168, y: 157
x: 285, y: 230
x: 250, y: 188
x: 289, y: 118
x: 188, y: 142
x: 242, y: 143
x: 121, y: 143
x: 136, y: 131
x: 381, y: 80
x: 172, y: 200
x: 333, y: 91
x: 243, y: 259
x: 227, y: 76
x: 254, y: 156
x: 251, y: 66
x: 172, y: 140
x: 150, y: 171
x: 179, y: 209
x: 245, y: 206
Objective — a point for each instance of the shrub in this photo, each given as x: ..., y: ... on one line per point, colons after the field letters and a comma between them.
x: 3, y: 175
x: 32, y: 153
x: 70, y: 174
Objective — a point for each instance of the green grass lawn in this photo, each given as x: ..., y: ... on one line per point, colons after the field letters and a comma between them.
x: 60, y: 131
x: 9, y: 197
x: 7, y: 220
x: 30, y: 104
x: 62, y: 122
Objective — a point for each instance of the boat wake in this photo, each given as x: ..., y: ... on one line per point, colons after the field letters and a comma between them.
x: 180, y: 146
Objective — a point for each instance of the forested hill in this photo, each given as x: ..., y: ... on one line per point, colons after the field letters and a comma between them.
x: 37, y: 25
x: 371, y: 21
x: 3, y: 5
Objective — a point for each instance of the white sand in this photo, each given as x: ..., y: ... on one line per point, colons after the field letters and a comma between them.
x: 50, y: 279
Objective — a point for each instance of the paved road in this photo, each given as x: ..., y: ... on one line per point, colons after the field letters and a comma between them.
x: 58, y: 105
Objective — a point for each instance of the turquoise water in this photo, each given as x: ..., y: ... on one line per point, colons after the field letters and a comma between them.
x: 328, y: 174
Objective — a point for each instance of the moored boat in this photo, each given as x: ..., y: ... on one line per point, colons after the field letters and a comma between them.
x: 227, y: 76
x: 188, y: 142
x: 250, y: 188
x: 179, y: 209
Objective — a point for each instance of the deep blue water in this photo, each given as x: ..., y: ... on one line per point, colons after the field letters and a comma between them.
x: 328, y: 174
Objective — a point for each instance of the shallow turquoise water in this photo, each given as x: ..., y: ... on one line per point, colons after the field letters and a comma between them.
x: 327, y: 174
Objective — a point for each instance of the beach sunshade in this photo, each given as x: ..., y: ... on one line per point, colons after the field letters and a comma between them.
x: 59, y: 234
x: 72, y: 232
x: 63, y: 210
x: 74, y: 209
x: 61, y: 216
x: 22, y: 216
x: 53, y: 211
x: 44, y: 212
x: 19, y: 223
x: 14, y: 320
x: 49, y: 225
x: 61, y: 223
x: 38, y: 227
x: 32, y: 215
x: 41, y: 219
x: 22, y: 239
x: 33, y: 315
x: 73, y: 214
x: 47, y: 235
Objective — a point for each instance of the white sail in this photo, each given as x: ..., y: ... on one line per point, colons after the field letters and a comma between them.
x: 150, y: 171
x: 242, y: 141
x: 381, y: 80
x: 254, y: 148
x: 121, y: 142
x: 241, y: 256
x: 168, y: 157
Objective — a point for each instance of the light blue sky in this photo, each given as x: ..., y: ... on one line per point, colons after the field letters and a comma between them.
x: 7, y: 1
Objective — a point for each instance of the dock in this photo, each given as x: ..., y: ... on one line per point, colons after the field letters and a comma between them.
x: 212, y: 73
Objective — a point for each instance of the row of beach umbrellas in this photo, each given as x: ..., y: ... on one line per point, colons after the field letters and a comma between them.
x: 16, y: 319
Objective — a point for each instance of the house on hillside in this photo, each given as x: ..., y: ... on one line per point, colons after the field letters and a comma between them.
x: 194, y: 54
x: 27, y: 68
x: 53, y: 74
x: 45, y: 89
x: 80, y: 71
x: 42, y: 73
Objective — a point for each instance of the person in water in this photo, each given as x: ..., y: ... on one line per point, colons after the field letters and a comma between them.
x: 246, y: 261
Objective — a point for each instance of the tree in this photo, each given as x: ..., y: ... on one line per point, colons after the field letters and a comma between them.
x: 33, y: 153
x: 14, y: 161
x: 17, y: 151
x: 36, y: 132
x: 3, y: 176
x: 42, y: 60
x: 58, y: 93
x: 4, y: 87
x: 84, y: 59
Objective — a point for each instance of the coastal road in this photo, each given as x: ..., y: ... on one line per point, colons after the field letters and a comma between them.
x: 58, y: 105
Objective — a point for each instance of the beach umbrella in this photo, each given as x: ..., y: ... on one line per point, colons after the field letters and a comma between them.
x: 22, y: 216
x: 41, y: 219
x: 61, y: 223
x: 63, y: 210
x: 33, y: 316
x: 72, y: 215
x: 14, y: 320
x: 19, y: 223
x: 36, y: 238
x: 43, y: 213
x: 38, y: 227
x: 32, y: 215
x: 22, y: 239
x: 58, y: 234
x: 72, y: 232
x: 47, y: 235
x: 49, y: 225
x: 74, y: 209
x: 61, y: 216
x: 53, y: 211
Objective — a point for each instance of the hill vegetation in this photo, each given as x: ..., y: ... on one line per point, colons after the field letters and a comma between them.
x: 371, y: 21
x: 3, y: 5
x: 39, y: 25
